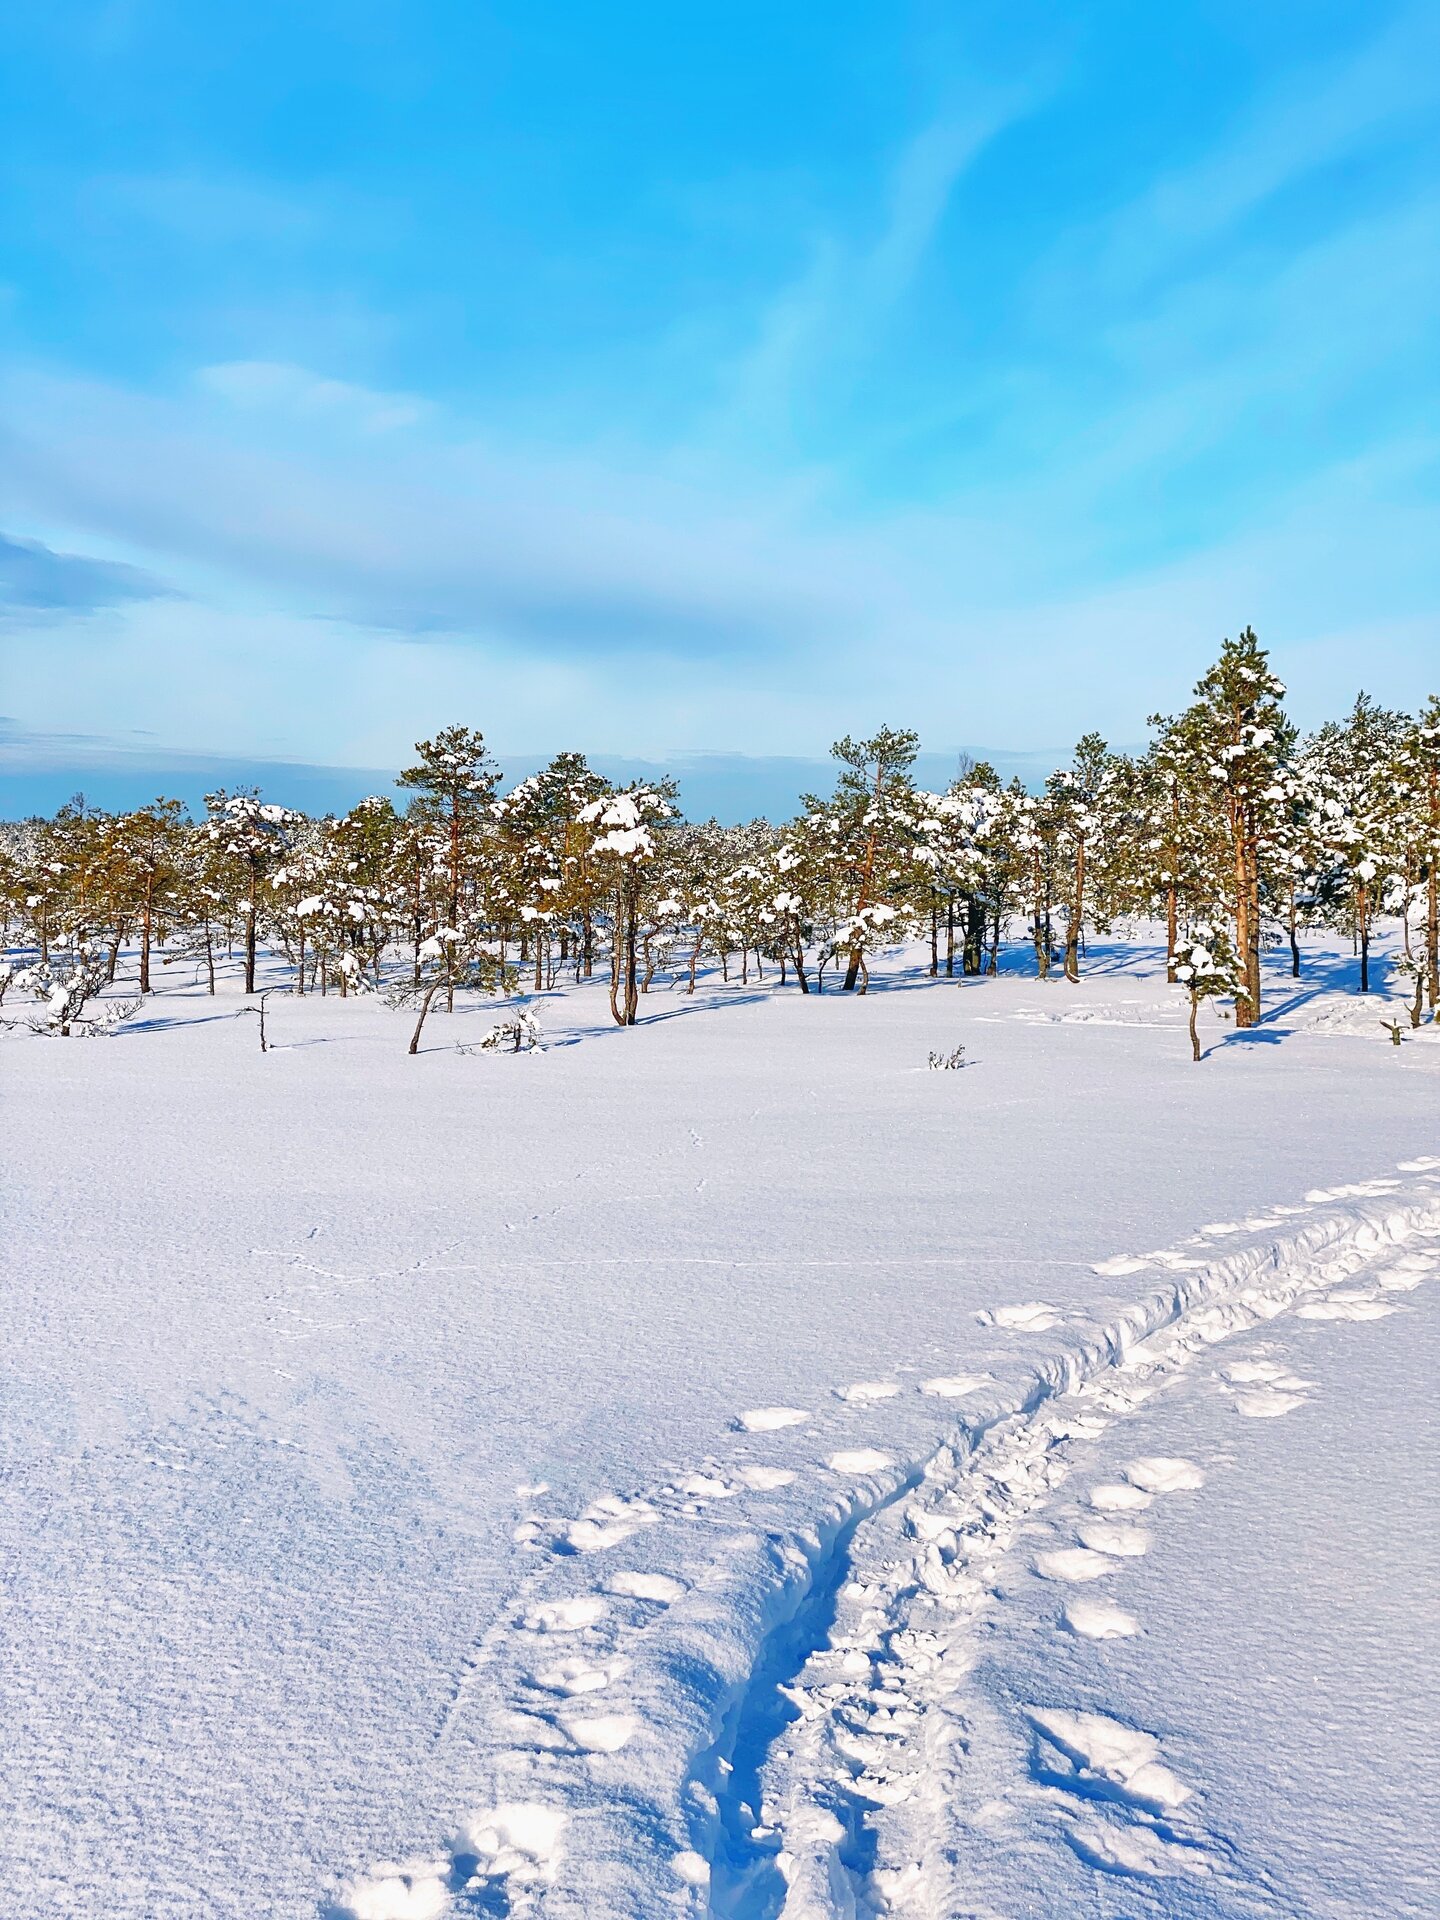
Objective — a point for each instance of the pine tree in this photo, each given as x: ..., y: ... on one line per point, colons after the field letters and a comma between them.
x: 1077, y: 803
x: 252, y: 836
x: 1418, y: 774
x: 150, y: 844
x: 455, y: 781
x: 1237, y: 733
x: 624, y: 828
x: 1352, y: 763
x: 873, y: 808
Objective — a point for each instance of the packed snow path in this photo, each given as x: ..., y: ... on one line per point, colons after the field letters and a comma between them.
x: 758, y: 1673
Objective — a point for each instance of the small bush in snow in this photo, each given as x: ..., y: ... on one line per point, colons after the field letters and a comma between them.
x: 65, y: 984
x: 519, y: 1034
x: 947, y: 1061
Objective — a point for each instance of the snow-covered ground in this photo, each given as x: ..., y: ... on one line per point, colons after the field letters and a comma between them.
x: 664, y: 1474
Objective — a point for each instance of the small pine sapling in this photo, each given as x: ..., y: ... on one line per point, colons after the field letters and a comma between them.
x: 259, y: 1008
x: 1205, y: 967
x: 447, y: 960
x: 947, y: 1062
x: 519, y: 1034
x: 65, y: 984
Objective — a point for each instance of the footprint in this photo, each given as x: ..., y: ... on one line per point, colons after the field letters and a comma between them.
x: 580, y: 1676
x: 953, y: 1386
x: 593, y: 1536
x: 1094, y: 1749
x: 606, y: 1733
x: 567, y: 1616
x: 647, y: 1586
x: 1136, y: 1851
x: 706, y: 1486
x: 398, y: 1890
x: 1266, y: 1403
x: 519, y: 1842
x: 606, y: 1522
x: 1158, y: 1473
x: 1032, y: 1316
x: 1099, y: 1620
x: 1073, y: 1563
x: 1113, y: 1536
x: 766, y: 1479
x: 1265, y: 1373
x: 1115, y: 1498
x: 768, y: 1419
x: 864, y: 1390
x: 1346, y: 1306
x: 858, y: 1460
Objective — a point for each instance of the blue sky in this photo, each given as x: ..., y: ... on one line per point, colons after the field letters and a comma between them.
x: 705, y: 380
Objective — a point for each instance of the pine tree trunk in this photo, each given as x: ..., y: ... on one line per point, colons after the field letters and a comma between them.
x: 430, y: 992
x: 632, y: 996
x: 1247, y: 914
x: 1194, y: 1030
x: 251, y: 914
x: 1172, y: 891
x: 1072, y: 931
x: 145, y: 919
x: 1432, y: 897
x: 1363, y: 928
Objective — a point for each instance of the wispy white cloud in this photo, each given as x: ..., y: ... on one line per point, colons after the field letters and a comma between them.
x: 269, y: 386
x: 835, y: 311
x: 1318, y: 115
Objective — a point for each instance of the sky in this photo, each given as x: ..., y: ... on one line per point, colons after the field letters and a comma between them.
x: 693, y: 385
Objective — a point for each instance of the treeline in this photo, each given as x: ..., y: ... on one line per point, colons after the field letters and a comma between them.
x: 1230, y: 829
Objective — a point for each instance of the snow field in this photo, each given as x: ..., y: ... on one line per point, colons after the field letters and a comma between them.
x: 795, y: 1703
x: 333, y: 1377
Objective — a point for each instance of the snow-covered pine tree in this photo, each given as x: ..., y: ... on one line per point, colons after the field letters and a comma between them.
x: 1352, y: 765
x: 624, y: 829
x: 251, y: 836
x: 873, y: 811
x: 1206, y: 968
x: 1237, y: 735
x: 1418, y: 774
x: 149, y: 846
x: 1079, y: 799
x: 454, y: 781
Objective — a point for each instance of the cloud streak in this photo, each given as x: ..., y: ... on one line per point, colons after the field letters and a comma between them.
x: 36, y: 582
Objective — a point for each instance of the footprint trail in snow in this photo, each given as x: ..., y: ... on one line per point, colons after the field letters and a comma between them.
x: 765, y: 1711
